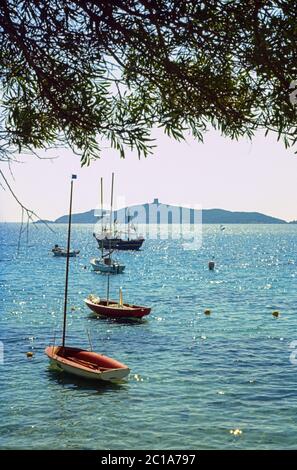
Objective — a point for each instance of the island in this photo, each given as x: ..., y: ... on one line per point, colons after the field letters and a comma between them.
x: 160, y: 213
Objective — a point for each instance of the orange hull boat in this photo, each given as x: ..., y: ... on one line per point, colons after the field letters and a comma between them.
x: 86, y: 364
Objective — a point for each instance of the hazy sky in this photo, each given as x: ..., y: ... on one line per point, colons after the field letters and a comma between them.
x: 220, y: 173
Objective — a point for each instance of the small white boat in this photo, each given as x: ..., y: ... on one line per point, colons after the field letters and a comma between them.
x: 107, y: 265
x: 58, y: 251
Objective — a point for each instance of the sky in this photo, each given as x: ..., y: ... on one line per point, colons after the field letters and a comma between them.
x: 258, y: 175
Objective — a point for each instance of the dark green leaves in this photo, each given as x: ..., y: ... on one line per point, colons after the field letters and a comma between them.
x: 86, y: 72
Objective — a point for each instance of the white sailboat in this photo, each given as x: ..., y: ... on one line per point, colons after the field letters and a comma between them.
x: 106, y: 264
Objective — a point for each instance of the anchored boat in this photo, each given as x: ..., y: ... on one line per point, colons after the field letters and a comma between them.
x: 106, y: 264
x: 58, y: 251
x: 86, y: 364
x: 116, y: 309
x: 118, y: 243
x: 113, y: 239
x: 76, y: 361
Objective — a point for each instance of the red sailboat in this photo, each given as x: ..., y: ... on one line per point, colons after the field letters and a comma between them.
x: 113, y: 309
x: 80, y: 362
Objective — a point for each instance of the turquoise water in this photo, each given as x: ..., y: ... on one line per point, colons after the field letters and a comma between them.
x: 193, y: 377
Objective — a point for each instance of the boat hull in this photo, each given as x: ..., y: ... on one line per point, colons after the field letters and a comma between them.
x: 120, y: 244
x: 114, y: 268
x: 86, y: 364
x: 63, y: 254
x: 112, y: 311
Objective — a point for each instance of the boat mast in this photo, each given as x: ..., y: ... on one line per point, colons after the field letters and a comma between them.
x: 107, y: 290
x: 102, y: 217
x: 67, y: 261
x: 111, y: 203
x: 128, y: 224
x: 121, y: 298
x: 110, y: 223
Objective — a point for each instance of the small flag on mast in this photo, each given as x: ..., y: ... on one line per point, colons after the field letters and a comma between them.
x: 74, y: 177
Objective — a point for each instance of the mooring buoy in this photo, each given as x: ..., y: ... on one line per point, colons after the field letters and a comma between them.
x: 211, y: 265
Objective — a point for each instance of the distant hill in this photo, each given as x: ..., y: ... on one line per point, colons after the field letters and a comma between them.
x: 44, y: 221
x: 157, y: 212
x: 220, y: 216
x: 82, y: 218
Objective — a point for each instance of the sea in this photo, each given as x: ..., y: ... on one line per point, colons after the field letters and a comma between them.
x: 222, y: 380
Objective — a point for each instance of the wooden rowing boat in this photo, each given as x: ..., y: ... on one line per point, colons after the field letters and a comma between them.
x: 86, y: 364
